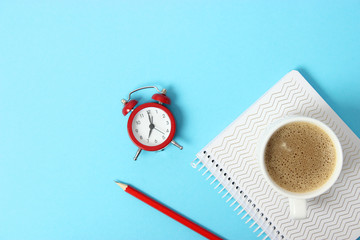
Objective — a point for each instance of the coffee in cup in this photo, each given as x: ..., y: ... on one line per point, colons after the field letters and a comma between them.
x: 300, y: 157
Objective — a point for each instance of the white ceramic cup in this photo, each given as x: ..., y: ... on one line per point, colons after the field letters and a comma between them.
x: 297, y: 201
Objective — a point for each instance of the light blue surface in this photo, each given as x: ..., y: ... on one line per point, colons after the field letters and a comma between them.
x: 65, y: 65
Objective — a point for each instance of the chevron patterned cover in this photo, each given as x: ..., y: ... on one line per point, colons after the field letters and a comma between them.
x: 230, y: 162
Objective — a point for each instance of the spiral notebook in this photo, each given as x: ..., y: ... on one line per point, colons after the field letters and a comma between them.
x: 229, y: 162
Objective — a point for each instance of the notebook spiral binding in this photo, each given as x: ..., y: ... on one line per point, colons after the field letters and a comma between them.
x: 260, y: 220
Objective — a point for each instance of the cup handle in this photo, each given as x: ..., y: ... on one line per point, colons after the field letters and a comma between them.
x: 297, y: 208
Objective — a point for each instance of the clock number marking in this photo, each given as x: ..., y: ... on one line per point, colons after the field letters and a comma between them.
x: 141, y: 137
x: 136, y: 130
x: 156, y: 141
x: 167, y: 122
x: 156, y: 111
x: 163, y: 115
x: 167, y: 130
x: 138, y: 122
x: 163, y: 137
x: 147, y: 140
x: 148, y: 111
x: 141, y: 115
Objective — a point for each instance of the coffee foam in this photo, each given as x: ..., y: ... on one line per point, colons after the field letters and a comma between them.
x: 300, y: 157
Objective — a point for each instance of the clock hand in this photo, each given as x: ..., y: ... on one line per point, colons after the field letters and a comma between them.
x: 151, y: 126
x: 150, y: 132
x: 158, y: 130
x: 150, y: 118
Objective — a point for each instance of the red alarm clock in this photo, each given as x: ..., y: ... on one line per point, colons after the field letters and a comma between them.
x: 151, y: 126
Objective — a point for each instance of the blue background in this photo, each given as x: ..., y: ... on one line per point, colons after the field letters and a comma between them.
x: 65, y: 65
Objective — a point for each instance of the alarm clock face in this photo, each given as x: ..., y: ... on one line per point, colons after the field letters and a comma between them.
x: 151, y: 126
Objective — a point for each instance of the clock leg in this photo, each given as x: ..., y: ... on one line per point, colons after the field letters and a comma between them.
x: 176, y: 144
x: 137, y: 153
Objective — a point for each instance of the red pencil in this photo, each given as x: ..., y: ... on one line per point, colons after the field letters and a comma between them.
x: 167, y: 211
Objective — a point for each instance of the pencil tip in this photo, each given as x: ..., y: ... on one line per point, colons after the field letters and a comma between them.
x: 120, y: 184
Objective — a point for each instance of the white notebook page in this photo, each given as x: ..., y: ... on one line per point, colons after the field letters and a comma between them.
x: 231, y: 159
